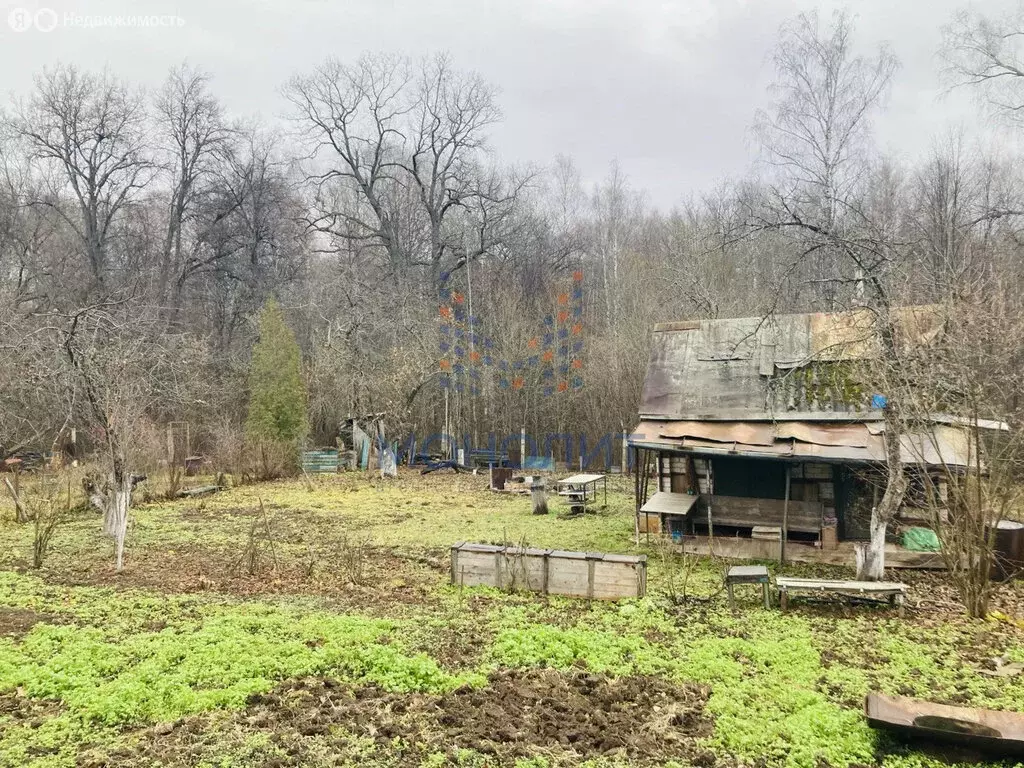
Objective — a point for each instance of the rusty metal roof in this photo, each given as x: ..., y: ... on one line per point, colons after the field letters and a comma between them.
x: 941, y: 444
x: 742, y: 368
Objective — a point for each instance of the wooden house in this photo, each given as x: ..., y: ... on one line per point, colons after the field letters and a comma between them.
x: 755, y: 431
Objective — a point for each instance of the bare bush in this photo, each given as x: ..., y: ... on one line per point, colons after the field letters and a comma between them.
x: 677, y: 568
x: 972, y: 374
x: 352, y: 556
x: 259, y: 546
x: 227, y: 449
x: 49, y: 512
x: 271, y: 460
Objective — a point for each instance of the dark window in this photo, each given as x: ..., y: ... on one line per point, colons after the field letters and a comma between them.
x: 749, y: 478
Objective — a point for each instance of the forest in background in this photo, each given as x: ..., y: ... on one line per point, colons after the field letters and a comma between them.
x: 142, y: 232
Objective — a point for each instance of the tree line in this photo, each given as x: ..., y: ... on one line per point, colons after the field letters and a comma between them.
x: 142, y: 232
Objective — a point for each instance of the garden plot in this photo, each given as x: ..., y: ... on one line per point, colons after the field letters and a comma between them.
x: 344, y: 644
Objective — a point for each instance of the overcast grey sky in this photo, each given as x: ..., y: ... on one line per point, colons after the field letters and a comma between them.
x: 668, y: 88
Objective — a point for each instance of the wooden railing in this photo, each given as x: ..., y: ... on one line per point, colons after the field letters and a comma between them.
x: 740, y: 512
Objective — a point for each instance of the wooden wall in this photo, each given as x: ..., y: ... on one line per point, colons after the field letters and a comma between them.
x: 804, y: 516
x: 549, y: 571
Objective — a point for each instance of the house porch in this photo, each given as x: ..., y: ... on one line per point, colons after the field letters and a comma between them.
x: 738, y: 548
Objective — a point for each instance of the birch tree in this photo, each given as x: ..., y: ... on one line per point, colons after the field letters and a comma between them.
x: 816, y: 141
x: 986, y: 53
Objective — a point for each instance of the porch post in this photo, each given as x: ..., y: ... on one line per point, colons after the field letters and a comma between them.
x: 625, y: 453
x: 711, y: 495
x: 785, y: 518
x: 636, y: 493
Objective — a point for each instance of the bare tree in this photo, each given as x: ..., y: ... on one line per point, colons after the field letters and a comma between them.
x: 30, y: 276
x: 409, y: 142
x: 87, y: 129
x: 618, y: 211
x: 450, y: 113
x: 946, y: 193
x: 249, y: 241
x: 39, y: 400
x: 964, y: 201
x: 125, y: 368
x: 353, y: 117
x: 193, y: 125
x: 985, y: 52
x: 816, y: 137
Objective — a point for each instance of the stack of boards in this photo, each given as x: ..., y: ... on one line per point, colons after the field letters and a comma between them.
x: 766, y: 533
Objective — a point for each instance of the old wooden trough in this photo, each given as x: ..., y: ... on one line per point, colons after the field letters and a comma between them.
x: 991, y: 731
x: 549, y: 571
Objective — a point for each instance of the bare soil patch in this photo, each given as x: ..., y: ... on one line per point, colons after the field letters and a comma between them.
x: 567, y: 717
x: 16, y: 622
x: 385, y: 578
x: 591, y: 715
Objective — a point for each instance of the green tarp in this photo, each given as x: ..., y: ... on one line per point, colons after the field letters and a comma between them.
x: 920, y: 540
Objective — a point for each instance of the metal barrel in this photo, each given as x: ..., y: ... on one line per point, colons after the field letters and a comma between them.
x: 1008, y: 550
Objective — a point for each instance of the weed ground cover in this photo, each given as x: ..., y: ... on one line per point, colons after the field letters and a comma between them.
x: 345, y: 645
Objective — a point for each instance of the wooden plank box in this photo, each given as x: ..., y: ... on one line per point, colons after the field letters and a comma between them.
x: 549, y: 571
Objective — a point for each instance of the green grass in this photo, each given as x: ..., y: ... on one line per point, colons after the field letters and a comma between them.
x: 108, y: 671
x: 104, y: 662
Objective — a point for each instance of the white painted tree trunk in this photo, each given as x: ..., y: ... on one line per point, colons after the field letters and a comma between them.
x: 871, y: 556
x: 118, y: 503
x: 113, y: 501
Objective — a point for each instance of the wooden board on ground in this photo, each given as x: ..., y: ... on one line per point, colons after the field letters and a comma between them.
x: 202, y: 490
x: 998, y: 733
x: 575, y: 574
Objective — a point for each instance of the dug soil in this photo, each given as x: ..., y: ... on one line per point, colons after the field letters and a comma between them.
x: 565, y: 717
x: 16, y: 622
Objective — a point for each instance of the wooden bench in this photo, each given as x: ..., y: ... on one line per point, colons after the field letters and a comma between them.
x: 893, y: 590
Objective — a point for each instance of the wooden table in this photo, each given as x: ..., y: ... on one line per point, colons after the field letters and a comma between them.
x: 747, y: 574
x: 893, y: 590
x: 580, y: 490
